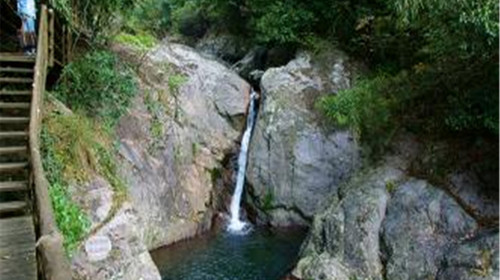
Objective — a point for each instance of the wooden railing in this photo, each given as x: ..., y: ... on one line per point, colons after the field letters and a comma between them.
x: 52, y: 260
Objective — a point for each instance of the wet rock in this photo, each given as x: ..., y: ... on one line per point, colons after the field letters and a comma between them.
x: 189, y: 115
x: 421, y: 222
x: 474, y: 259
x: 295, y: 162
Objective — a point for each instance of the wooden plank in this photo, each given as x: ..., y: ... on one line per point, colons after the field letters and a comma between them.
x: 14, y: 105
x: 12, y: 57
x: 14, y: 120
x: 17, y: 249
x: 12, y: 206
x: 16, y: 70
x: 16, y: 186
x: 13, y: 166
x: 15, y: 92
x: 13, y: 150
x: 15, y: 80
x: 13, y: 134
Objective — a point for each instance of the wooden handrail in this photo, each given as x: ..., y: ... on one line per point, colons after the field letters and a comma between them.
x: 53, y: 262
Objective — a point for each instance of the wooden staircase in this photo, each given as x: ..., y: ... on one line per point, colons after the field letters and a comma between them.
x: 17, y: 230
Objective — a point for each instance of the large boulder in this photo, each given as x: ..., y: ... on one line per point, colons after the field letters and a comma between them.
x: 422, y: 221
x: 186, y: 120
x: 385, y: 224
x: 347, y: 233
x: 296, y: 163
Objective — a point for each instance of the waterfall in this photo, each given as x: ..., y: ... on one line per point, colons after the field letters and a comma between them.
x: 235, y: 224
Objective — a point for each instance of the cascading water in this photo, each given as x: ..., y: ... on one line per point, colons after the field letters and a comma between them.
x: 235, y: 224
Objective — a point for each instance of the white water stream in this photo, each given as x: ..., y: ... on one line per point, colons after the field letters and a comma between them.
x: 235, y: 224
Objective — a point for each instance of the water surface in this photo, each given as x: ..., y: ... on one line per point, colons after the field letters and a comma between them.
x: 259, y: 255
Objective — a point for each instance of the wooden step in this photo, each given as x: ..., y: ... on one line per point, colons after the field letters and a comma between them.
x: 15, y: 80
x: 10, y: 57
x: 14, y: 105
x: 14, y: 120
x: 12, y: 150
x: 18, y: 249
x: 13, y: 186
x: 12, y: 206
x: 4, y: 167
x: 15, y: 92
x: 13, y: 134
x: 17, y: 70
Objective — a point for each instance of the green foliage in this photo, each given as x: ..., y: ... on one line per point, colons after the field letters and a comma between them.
x: 98, y: 85
x: 390, y: 186
x: 74, y: 148
x: 148, y: 17
x: 155, y: 108
x: 142, y: 41
x: 283, y: 22
x: 368, y: 108
x: 267, y: 202
x: 71, y: 220
x: 95, y: 19
x: 175, y: 81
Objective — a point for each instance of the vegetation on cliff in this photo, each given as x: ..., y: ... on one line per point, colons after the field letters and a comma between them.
x: 79, y: 144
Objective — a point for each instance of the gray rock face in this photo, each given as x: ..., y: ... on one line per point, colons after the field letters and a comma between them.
x: 295, y: 163
x: 475, y: 259
x: 188, y: 116
x: 421, y: 222
x: 386, y: 225
x: 348, y: 231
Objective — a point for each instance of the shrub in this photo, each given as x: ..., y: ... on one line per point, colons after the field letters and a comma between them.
x: 189, y: 20
x: 98, y: 85
x: 368, y: 108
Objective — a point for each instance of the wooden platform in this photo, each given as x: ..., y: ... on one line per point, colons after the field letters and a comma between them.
x: 17, y: 249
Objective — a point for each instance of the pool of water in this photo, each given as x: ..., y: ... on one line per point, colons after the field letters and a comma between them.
x: 259, y: 255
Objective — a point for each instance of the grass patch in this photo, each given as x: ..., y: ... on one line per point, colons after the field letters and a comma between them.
x: 141, y: 41
x: 70, y: 219
x: 175, y: 81
x: 155, y: 107
x: 268, y: 200
x: 74, y: 147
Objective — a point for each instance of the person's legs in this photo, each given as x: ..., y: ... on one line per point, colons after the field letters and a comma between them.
x: 28, y: 35
x: 30, y: 30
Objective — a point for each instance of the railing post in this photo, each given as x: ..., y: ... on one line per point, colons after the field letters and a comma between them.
x: 51, y: 37
x: 53, y: 262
